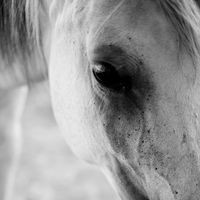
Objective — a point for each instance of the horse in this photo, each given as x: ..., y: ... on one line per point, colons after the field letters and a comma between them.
x: 124, y: 80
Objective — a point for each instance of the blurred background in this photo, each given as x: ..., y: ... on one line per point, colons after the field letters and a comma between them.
x: 48, y: 170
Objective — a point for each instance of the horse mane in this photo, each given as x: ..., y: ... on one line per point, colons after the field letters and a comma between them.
x: 21, y: 32
x: 19, y: 27
x: 185, y: 17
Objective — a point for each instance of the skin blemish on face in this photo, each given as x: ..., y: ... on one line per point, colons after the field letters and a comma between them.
x: 129, y: 38
x: 184, y: 140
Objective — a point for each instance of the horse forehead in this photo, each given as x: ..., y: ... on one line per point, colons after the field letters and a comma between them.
x: 94, y: 12
x: 125, y: 14
x: 97, y: 11
x: 107, y: 19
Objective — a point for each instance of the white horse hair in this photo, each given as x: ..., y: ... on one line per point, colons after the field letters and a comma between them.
x: 127, y: 109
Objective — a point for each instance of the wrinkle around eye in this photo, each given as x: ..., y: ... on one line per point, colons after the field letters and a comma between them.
x: 117, y: 56
x: 128, y: 64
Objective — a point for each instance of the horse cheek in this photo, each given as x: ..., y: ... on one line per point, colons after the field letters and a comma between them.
x: 123, y: 125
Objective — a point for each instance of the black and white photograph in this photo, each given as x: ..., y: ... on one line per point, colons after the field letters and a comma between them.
x: 99, y: 99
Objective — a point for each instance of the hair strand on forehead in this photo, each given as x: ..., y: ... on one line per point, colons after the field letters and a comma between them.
x: 117, y: 7
x: 185, y: 17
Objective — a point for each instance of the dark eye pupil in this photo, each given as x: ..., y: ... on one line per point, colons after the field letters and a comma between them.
x: 108, y: 76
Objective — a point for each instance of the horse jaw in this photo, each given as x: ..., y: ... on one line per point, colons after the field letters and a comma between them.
x: 142, y: 183
x: 156, y: 186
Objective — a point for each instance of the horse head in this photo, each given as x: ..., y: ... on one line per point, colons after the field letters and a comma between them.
x: 124, y: 81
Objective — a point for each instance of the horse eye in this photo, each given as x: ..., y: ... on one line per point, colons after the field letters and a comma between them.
x: 107, y: 76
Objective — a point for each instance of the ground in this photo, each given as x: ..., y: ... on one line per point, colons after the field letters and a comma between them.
x: 48, y: 170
